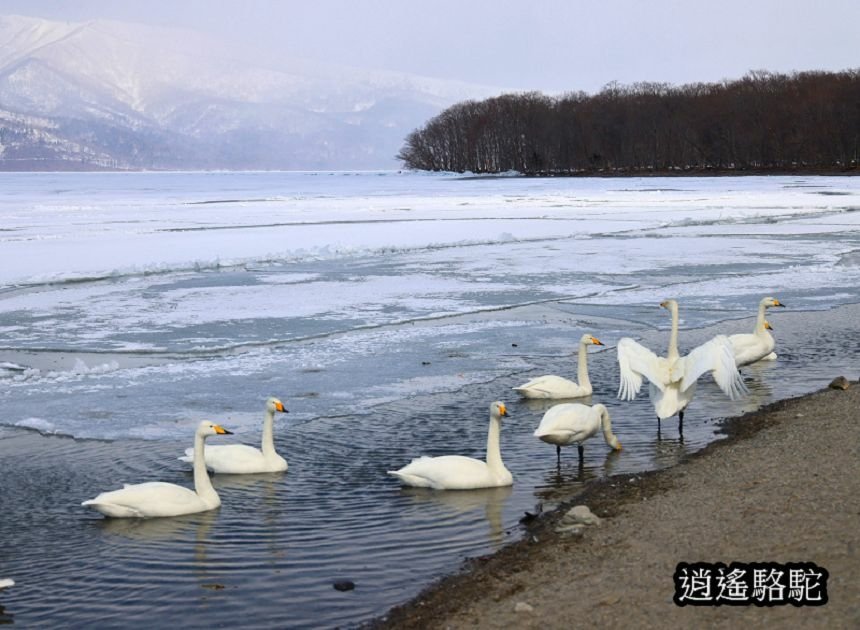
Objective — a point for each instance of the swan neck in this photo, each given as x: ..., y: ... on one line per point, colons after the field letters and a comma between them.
x: 673, y: 337
x: 605, y: 424
x: 202, y: 483
x: 494, y: 453
x: 582, y: 366
x: 759, y: 322
x: 268, y: 445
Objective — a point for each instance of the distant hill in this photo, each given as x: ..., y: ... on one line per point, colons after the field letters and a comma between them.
x: 116, y: 95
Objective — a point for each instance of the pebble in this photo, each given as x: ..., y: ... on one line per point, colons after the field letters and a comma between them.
x: 580, y: 514
x: 523, y: 607
x: 840, y: 382
x: 344, y: 585
x: 570, y: 530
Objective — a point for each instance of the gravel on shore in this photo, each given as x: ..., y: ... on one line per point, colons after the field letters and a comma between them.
x: 783, y: 486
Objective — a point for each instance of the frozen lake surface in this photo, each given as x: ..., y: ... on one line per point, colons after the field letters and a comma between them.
x: 387, y: 310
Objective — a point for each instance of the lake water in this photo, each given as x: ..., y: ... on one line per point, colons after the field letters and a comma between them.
x: 387, y: 311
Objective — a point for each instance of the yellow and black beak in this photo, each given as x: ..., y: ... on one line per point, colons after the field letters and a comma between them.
x: 221, y: 430
x: 664, y: 304
x: 778, y: 303
x: 596, y: 341
x: 279, y: 406
x: 503, y: 411
x: 767, y: 326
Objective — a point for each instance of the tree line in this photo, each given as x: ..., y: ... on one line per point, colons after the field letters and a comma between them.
x: 762, y: 122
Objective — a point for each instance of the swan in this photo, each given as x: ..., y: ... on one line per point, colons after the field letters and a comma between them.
x: 758, y: 346
x: 244, y: 459
x: 673, y: 378
x: 573, y: 423
x: 455, y: 472
x: 156, y: 498
x: 6, y: 583
x: 551, y: 386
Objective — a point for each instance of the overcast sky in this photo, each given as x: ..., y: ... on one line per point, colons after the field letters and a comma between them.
x: 549, y: 45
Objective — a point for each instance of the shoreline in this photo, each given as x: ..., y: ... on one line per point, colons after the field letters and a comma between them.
x: 797, y: 503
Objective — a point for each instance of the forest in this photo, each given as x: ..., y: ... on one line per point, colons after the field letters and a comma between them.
x: 763, y: 122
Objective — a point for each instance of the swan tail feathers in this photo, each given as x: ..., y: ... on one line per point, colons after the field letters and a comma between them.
x: 188, y: 457
x: 410, y: 480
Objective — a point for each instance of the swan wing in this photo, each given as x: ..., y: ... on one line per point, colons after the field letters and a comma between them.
x: 749, y: 348
x: 155, y: 498
x: 715, y: 356
x: 566, y: 424
x: 234, y: 458
x: 550, y: 386
x: 634, y: 362
x: 449, y: 472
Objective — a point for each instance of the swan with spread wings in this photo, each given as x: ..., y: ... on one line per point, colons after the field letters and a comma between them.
x: 672, y: 379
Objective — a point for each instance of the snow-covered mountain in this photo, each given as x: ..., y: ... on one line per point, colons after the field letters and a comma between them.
x: 119, y: 95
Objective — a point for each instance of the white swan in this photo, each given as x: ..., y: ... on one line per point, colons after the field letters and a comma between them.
x: 455, y: 472
x: 156, y: 498
x: 573, y: 423
x: 6, y: 583
x: 551, y: 386
x: 244, y: 459
x: 758, y: 346
x: 673, y: 378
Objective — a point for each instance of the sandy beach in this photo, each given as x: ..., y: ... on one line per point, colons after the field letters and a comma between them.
x: 783, y: 486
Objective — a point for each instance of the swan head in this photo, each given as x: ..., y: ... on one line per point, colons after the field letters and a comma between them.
x: 669, y: 304
x: 273, y: 405
x: 498, y: 409
x: 772, y: 301
x: 206, y: 428
x: 767, y: 325
x: 590, y: 340
x: 614, y: 443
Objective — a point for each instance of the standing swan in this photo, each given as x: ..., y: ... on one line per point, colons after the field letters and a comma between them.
x: 758, y: 346
x: 243, y: 459
x: 156, y: 498
x: 573, y: 423
x: 673, y: 377
x: 551, y: 386
x: 455, y: 472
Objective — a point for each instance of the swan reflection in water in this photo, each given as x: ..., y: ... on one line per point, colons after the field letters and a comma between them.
x: 177, y: 534
x: 492, y: 500
x: 756, y: 377
x: 158, y: 529
x: 562, y: 482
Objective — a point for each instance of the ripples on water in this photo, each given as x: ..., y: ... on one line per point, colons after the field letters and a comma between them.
x: 270, y: 554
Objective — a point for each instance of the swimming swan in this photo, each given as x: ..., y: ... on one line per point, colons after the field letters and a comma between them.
x: 573, y: 423
x: 6, y: 583
x: 244, y: 459
x: 551, y: 386
x: 455, y: 472
x: 672, y: 379
x: 156, y: 498
x: 758, y: 346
